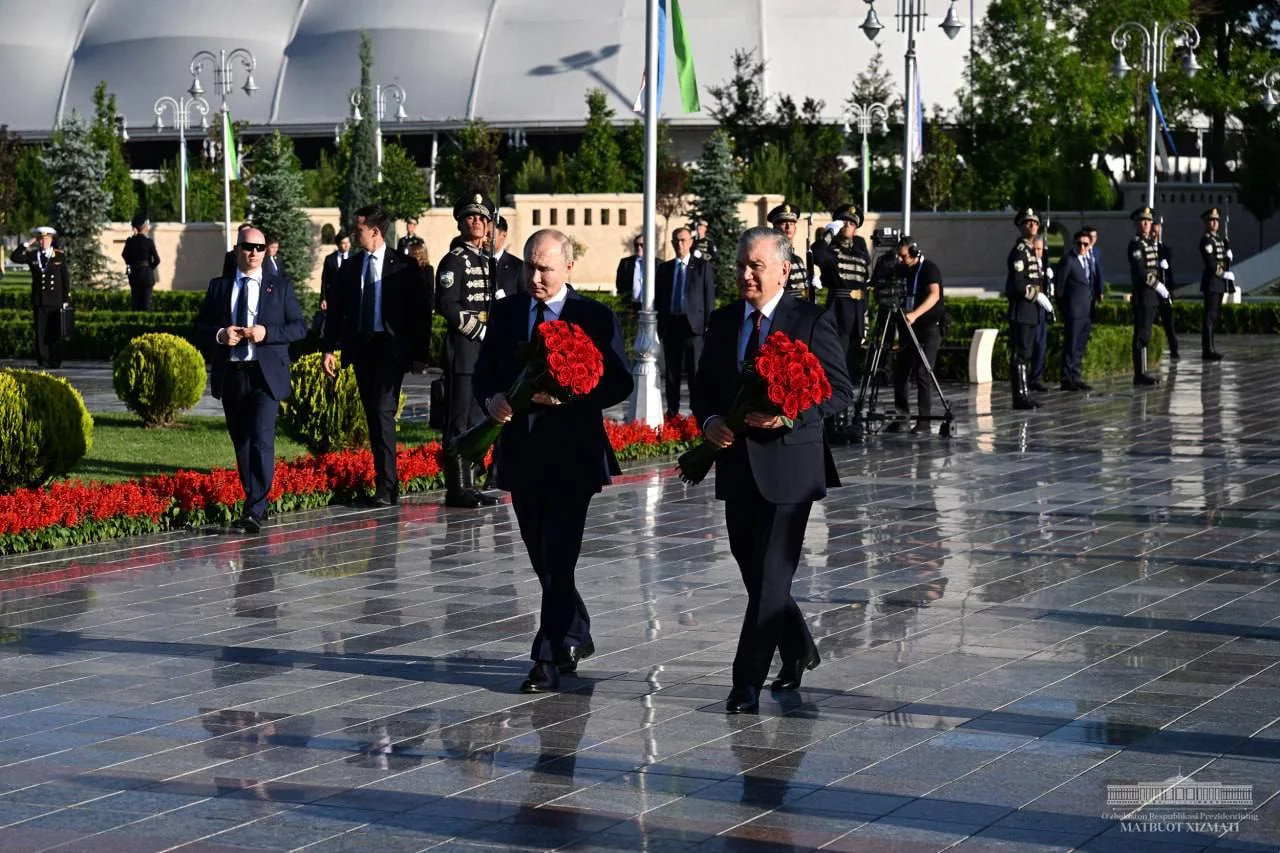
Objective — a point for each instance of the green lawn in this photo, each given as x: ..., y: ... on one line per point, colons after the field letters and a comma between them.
x: 124, y: 449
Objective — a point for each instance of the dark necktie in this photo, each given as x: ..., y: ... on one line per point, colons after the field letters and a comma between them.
x: 677, y: 295
x: 539, y: 316
x: 242, y: 312
x: 368, y: 299
x: 753, y: 340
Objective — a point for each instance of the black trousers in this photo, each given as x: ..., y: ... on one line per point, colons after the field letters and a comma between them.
x: 48, y: 323
x: 378, y: 379
x: 1212, y: 310
x: 1075, y: 337
x: 140, y: 287
x: 463, y: 412
x: 251, y: 411
x: 1040, y: 348
x: 1165, y: 309
x: 1144, y: 317
x: 551, y: 525
x: 681, y: 349
x: 766, y: 540
x: 908, y: 367
x: 851, y: 326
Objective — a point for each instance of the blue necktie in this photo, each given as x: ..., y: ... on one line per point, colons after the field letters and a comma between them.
x: 677, y: 292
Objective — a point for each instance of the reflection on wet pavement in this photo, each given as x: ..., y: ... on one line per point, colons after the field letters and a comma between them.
x: 1049, y: 605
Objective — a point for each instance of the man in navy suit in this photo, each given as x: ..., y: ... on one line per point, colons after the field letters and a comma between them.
x: 770, y: 476
x: 1075, y: 301
x: 380, y: 316
x: 684, y: 297
x: 555, y: 458
x: 246, y: 325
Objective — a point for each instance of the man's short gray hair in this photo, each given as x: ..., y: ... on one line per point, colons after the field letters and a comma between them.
x: 778, y: 241
x: 566, y: 245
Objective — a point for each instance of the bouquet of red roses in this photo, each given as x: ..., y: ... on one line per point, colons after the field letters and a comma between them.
x: 785, y: 378
x: 561, y: 360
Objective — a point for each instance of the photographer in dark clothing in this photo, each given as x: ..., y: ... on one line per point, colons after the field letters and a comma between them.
x: 919, y: 282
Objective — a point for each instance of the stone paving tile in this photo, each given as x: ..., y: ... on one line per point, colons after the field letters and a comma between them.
x: 1010, y: 622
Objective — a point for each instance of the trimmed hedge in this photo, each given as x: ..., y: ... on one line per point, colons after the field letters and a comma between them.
x: 158, y: 376
x: 1109, y: 353
x: 325, y: 414
x: 183, y: 301
x: 48, y: 430
x: 98, y: 337
x: 1249, y: 318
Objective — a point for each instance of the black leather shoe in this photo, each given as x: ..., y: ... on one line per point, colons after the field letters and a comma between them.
x: 1068, y: 385
x: 1037, y: 386
x: 464, y: 499
x: 543, y: 678
x: 1025, y: 403
x: 483, y: 499
x: 743, y: 700
x: 1145, y: 379
x: 792, y: 671
x: 572, y: 654
x: 382, y: 501
x: 1083, y: 386
x: 248, y: 524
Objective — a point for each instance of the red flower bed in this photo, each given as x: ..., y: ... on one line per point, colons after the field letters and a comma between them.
x: 72, y: 512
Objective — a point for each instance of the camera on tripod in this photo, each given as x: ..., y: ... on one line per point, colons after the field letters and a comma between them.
x: 886, y: 237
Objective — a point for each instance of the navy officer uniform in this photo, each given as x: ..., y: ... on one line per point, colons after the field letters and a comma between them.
x: 50, y: 291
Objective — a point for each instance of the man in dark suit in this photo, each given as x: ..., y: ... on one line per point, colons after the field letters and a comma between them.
x: 380, y: 315
x: 1075, y: 300
x: 553, y: 459
x: 245, y: 325
x: 770, y: 476
x: 272, y: 262
x: 140, y: 262
x: 508, y: 269
x: 231, y: 260
x: 333, y: 262
x: 50, y: 291
x: 684, y: 297
x: 629, y: 280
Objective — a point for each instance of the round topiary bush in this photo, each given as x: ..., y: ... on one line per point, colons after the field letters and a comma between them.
x: 45, y: 429
x: 159, y: 376
x: 325, y: 414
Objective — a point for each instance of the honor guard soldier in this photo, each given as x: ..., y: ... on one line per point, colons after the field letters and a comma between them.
x: 784, y: 218
x: 1164, y: 307
x: 702, y: 245
x: 464, y: 296
x: 50, y: 291
x: 1024, y: 287
x: 1147, y: 290
x: 846, y: 269
x: 1216, y: 279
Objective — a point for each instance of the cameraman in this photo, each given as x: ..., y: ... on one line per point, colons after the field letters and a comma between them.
x: 919, y: 282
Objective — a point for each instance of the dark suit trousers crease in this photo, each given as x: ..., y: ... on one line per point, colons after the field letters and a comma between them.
x: 766, y: 540
x: 140, y: 287
x: 1041, y: 346
x: 378, y: 379
x: 908, y: 367
x: 251, y: 412
x: 551, y: 525
x: 681, y: 350
x: 48, y: 323
x: 1075, y: 337
x: 463, y: 410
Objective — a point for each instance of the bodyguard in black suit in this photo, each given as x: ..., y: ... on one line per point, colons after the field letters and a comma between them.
x: 50, y: 290
x: 508, y: 269
x: 770, y: 476
x: 684, y: 297
x: 555, y: 458
x: 1075, y: 283
x: 332, y: 263
x: 628, y: 281
x: 380, y: 316
x: 140, y: 260
x: 245, y: 326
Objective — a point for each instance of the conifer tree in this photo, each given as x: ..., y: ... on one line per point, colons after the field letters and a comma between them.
x: 717, y: 194
x: 81, y: 201
x: 124, y: 200
x: 360, y: 186
x: 277, y: 193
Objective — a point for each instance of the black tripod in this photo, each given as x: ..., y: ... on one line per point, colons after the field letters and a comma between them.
x: 866, y: 418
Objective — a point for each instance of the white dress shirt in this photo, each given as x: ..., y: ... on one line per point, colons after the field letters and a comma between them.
x: 249, y: 352
x: 555, y: 305
x: 637, y: 280
x: 373, y: 260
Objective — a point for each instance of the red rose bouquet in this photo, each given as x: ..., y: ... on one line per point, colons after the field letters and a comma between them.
x: 785, y: 378
x: 561, y: 360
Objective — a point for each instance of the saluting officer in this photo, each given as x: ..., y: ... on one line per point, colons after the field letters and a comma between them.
x: 464, y: 295
x: 784, y: 218
x: 1024, y: 287
x: 1216, y: 279
x: 1147, y: 290
x: 846, y: 268
x: 50, y: 291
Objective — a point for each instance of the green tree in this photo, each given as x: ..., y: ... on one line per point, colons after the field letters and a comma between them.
x: 739, y: 106
x: 82, y: 203
x: 403, y: 191
x: 278, y: 194
x: 817, y: 179
x: 473, y: 165
x: 324, y: 182
x: 1257, y: 176
x: 204, y: 193
x: 937, y: 172
x: 532, y: 176
x: 597, y: 165
x: 10, y: 157
x: 124, y: 201
x: 359, y: 186
x: 34, y: 204
x: 717, y: 194
x: 875, y: 85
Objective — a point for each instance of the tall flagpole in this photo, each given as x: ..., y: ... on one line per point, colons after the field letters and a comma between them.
x: 646, y: 401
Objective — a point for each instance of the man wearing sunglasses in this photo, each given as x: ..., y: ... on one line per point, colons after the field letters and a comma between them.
x: 246, y: 325
x: 1075, y: 299
x: 380, y: 316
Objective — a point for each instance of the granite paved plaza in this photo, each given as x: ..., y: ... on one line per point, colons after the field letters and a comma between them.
x: 1048, y: 605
